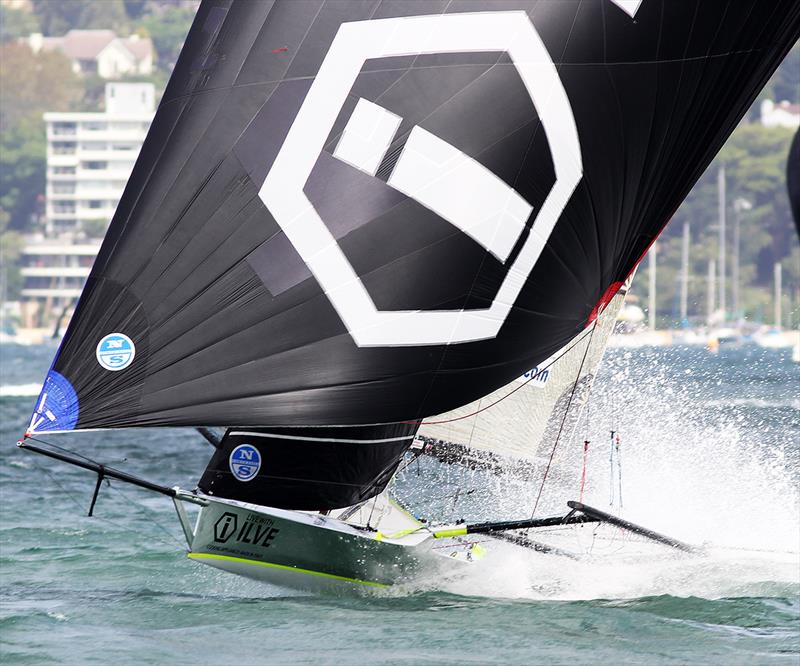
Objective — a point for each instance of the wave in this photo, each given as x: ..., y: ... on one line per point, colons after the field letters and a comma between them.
x: 20, y: 390
x: 754, y: 402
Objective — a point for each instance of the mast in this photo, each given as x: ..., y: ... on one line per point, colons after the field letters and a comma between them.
x: 685, y: 274
x: 778, y: 289
x: 721, y: 213
x: 712, y: 272
x: 739, y: 205
x: 651, y: 307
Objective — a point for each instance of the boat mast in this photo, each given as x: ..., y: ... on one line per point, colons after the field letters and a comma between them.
x: 652, y: 288
x: 778, y: 289
x: 721, y: 205
x: 685, y: 275
x: 712, y: 271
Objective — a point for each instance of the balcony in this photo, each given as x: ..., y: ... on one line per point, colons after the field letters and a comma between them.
x: 55, y: 271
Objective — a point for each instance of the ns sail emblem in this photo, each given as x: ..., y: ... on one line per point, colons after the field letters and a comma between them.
x: 244, y: 462
x: 497, y: 223
x: 115, y: 352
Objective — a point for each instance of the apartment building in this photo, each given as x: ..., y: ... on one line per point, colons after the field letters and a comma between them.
x: 91, y: 155
x: 89, y: 159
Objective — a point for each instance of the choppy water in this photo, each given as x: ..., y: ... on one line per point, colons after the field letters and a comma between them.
x: 711, y: 454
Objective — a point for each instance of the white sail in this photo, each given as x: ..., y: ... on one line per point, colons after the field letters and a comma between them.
x: 539, y: 408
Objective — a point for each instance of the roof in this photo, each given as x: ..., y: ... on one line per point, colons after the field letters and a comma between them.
x: 88, y: 44
x: 141, y: 47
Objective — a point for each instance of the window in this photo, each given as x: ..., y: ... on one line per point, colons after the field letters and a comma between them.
x: 95, y: 203
x: 94, y: 125
x: 94, y: 185
x: 123, y: 146
x: 63, y: 129
x: 63, y: 147
x: 94, y: 145
x: 66, y: 223
x: 62, y: 170
x: 94, y: 166
x: 60, y: 207
x: 63, y: 188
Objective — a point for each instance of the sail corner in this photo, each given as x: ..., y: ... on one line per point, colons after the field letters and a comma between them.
x: 57, y: 406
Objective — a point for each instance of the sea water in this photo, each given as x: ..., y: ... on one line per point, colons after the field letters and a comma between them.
x: 710, y: 453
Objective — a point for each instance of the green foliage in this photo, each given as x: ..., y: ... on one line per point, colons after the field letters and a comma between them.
x: 59, y: 16
x: 785, y: 83
x: 95, y: 228
x: 168, y: 30
x: 11, y: 244
x: 134, y: 8
x: 22, y: 172
x: 755, y: 166
x: 42, y: 82
x: 15, y: 23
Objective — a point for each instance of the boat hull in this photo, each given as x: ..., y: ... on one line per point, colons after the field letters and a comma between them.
x: 302, y: 550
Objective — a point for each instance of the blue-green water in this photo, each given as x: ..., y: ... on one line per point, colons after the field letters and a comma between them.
x: 711, y: 453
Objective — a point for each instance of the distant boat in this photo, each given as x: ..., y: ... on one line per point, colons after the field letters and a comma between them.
x: 361, y: 232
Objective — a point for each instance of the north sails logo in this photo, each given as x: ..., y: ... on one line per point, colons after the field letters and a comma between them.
x: 429, y: 170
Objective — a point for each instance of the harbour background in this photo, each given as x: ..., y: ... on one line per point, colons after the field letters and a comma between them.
x: 711, y: 446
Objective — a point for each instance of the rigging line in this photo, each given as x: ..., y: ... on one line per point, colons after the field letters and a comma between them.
x: 82, y: 508
x: 128, y: 499
x: 611, y: 470
x: 564, y: 419
x: 61, y: 448
x: 371, y: 511
x: 149, y: 511
x: 415, y: 457
x: 578, y: 340
x: 619, y: 472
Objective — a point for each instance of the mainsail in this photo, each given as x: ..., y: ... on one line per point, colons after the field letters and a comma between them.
x: 371, y: 212
x: 524, y: 420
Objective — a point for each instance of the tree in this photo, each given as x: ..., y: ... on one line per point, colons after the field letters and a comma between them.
x: 785, y: 83
x: 168, y: 30
x: 40, y: 82
x: 135, y: 8
x: 58, y: 17
x: 15, y: 23
x: 754, y: 158
x: 22, y: 172
x: 11, y: 244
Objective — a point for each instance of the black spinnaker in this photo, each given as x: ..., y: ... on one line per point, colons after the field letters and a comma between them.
x: 366, y: 212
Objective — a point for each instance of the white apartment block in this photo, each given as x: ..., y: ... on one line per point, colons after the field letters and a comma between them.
x: 54, y: 270
x: 91, y: 155
x: 89, y: 159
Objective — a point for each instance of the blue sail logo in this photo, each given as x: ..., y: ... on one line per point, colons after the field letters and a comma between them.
x: 115, y: 352
x: 245, y: 461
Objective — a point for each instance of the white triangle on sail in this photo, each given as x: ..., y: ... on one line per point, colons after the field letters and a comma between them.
x: 630, y: 7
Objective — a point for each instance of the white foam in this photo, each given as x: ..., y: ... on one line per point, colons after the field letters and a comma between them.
x: 20, y: 390
x: 723, y: 480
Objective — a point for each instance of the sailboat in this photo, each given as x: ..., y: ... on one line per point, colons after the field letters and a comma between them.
x: 359, y: 232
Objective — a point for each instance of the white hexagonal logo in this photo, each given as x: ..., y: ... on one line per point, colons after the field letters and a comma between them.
x: 429, y: 169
